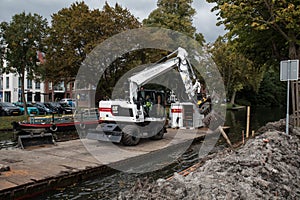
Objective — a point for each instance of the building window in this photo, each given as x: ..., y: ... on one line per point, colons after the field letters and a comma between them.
x: 19, y: 82
x: 50, y: 97
x: 29, y: 96
x: 37, y: 85
x: 59, y: 87
x: 29, y: 84
x: 7, y: 96
x: 72, y: 86
x: 37, y: 97
x: 50, y: 85
x: 7, y: 82
x: 20, y: 95
x: 1, y: 83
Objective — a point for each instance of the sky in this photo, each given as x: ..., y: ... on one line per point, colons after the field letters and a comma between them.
x: 205, y: 21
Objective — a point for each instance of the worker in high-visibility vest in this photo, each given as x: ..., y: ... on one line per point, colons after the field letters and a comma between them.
x: 148, y: 105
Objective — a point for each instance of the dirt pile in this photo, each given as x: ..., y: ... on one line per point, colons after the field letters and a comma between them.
x: 266, y: 167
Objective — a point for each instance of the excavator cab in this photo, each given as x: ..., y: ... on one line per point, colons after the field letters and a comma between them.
x: 153, y: 102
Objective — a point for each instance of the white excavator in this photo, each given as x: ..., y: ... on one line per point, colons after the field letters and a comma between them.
x: 142, y: 113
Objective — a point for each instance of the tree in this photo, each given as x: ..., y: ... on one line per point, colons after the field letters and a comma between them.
x: 76, y: 31
x: 250, y: 21
x: 66, y: 42
x: 115, y: 20
x: 282, y: 17
x: 237, y: 71
x: 271, y: 92
x: 175, y: 15
x: 21, y: 39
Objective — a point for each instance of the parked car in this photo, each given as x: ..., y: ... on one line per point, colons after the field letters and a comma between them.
x: 31, y: 110
x: 68, y: 109
x: 43, y: 109
x: 7, y: 108
x: 51, y: 107
x: 58, y: 108
x: 70, y: 102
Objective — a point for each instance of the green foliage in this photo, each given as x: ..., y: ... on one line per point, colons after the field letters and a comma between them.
x: 76, y: 31
x: 266, y: 32
x: 271, y: 93
x: 175, y: 15
x: 21, y: 39
x: 67, y: 38
x: 237, y: 71
x: 5, y: 122
x: 281, y: 18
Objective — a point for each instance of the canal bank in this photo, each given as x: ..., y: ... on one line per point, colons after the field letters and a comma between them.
x: 36, y: 170
x: 266, y: 167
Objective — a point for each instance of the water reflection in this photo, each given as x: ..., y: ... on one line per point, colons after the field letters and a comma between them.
x: 259, y: 116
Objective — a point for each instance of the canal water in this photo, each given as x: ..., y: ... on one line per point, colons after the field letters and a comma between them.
x: 259, y: 116
x: 108, y: 186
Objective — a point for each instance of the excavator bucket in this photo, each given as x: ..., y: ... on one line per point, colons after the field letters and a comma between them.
x: 26, y: 141
x: 109, y: 133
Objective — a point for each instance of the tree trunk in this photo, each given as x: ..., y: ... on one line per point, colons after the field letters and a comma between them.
x: 294, y: 86
x: 65, y: 88
x: 23, y: 94
x: 292, y: 50
x: 232, y: 100
x: 52, y: 93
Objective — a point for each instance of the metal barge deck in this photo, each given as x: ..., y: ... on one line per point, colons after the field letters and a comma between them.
x: 37, y: 170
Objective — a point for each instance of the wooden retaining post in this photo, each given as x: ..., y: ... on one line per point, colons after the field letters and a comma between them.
x: 225, y: 136
x: 295, y: 89
x: 243, y: 136
x: 248, y: 122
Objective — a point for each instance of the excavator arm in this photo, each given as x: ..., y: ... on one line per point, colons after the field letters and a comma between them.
x: 180, y: 61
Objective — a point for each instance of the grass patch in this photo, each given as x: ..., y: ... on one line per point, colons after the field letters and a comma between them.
x: 5, y: 136
x: 5, y: 121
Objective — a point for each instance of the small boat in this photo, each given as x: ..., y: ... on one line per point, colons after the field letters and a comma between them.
x: 55, y: 123
x: 38, y: 131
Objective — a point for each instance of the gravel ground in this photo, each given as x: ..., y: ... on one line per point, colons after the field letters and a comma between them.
x: 266, y: 167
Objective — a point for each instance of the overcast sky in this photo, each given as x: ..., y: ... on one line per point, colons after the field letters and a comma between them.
x: 204, y: 21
